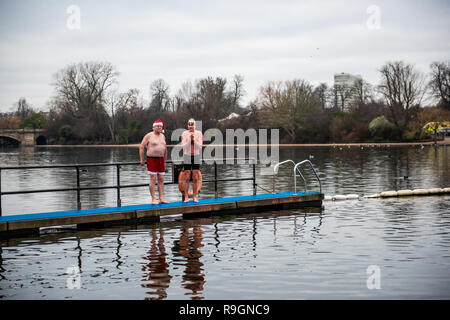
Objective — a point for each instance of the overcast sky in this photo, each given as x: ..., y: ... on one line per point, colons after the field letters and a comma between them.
x: 187, y: 39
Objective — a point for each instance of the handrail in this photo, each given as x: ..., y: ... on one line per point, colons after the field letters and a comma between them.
x: 109, y: 164
x: 275, y: 169
x: 314, y: 171
x: 118, y: 186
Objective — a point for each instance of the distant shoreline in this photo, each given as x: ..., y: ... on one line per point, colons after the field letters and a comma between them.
x: 445, y: 142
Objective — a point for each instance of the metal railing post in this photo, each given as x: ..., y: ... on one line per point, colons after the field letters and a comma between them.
x: 215, y: 180
x: 273, y: 183
x: 173, y: 173
x: 254, y: 178
x: 78, y: 188
x: 119, y: 201
x: 0, y: 192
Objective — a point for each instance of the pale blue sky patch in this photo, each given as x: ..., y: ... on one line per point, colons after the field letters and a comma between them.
x: 262, y: 40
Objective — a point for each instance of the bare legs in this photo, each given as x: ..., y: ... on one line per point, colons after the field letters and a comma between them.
x: 160, y: 188
x: 187, y: 177
x: 195, y: 177
x: 152, y: 188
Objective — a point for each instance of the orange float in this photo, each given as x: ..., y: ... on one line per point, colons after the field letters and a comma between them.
x: 181, y: 183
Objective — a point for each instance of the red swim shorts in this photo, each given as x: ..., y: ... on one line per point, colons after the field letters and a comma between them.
x: 156, y: 165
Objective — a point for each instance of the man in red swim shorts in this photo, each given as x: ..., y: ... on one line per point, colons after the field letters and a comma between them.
x: 155, y: 143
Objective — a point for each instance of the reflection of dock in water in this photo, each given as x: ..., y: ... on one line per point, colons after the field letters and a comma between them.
x: 30, y: 223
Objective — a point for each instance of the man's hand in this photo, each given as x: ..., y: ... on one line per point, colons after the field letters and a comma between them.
x: 142, y: 162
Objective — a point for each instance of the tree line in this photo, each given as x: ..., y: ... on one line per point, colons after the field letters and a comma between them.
x: 88, y: 108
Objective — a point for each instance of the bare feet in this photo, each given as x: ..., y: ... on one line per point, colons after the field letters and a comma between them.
x: 164, y: 201
x: 155, y: 202
x: 194, y: 199
x: 186, y: 198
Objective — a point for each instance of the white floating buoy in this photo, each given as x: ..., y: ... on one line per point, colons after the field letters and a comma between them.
x: 389, y: 194
x: 341, y: 197
x: 338, y: 197
x: 435, y: 191
x: 405, y: 192
x: 372, y: 196
x: 420, y: 192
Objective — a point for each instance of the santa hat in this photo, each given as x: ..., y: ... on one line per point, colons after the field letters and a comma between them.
x: 158, y: 123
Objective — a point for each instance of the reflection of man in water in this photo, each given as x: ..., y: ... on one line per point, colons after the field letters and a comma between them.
x: 157, y: 276
x: 188, y: 247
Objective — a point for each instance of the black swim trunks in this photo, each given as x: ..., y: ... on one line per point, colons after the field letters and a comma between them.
x: 191, y: 162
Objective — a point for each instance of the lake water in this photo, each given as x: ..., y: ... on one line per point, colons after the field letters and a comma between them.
x: 356, y: 249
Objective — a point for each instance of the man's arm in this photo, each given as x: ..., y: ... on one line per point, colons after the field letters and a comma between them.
x: 165, y: 150
x: 199, y: 142
x: 142, y: 149
x: 185, y: 141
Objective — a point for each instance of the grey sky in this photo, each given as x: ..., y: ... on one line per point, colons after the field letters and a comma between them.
x: 185, y: 40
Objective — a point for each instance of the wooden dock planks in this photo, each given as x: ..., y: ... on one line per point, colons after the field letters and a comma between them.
x: 21, y: 224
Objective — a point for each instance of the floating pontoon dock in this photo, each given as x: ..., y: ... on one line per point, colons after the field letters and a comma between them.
x: 26, y: 224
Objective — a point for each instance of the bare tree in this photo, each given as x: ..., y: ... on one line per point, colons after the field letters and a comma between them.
x: 320, y: 92
x: 208, y: 99
x: 115, y: 102
x: 23, y: 109
x: 363, y: 92
x: 187, y: 103
x: 81, y: 87
x: 343, y: 95
x: 213, y: 99
x: 237, y: 91
x: 160, y: 100
x: 81, y: 93
x: 440, y: 82
x: 402, y: 88
x: 288, y: 106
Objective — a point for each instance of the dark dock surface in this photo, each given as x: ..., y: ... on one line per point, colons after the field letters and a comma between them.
x: 25, y: 224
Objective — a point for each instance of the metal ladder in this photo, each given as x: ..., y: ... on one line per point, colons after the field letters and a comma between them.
x: 296, y: 170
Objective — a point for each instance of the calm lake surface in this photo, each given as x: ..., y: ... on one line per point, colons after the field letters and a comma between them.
x: 355, y: 249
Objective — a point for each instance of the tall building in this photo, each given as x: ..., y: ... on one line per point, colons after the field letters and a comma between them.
x: 345, y: 85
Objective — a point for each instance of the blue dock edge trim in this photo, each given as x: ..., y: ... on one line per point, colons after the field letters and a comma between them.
x: 57, y: 214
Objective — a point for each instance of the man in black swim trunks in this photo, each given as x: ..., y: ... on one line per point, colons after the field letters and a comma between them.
x: 192, y: 142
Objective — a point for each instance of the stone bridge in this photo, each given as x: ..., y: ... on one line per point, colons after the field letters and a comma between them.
x: 24, y: 137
